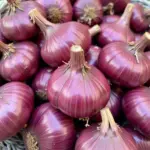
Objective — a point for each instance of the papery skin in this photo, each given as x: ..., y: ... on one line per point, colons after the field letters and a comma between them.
x: 139, y: 22
x: 40, y: 82
x: 21, y: 64
x: 136, y: 106
x: 117, y: 62
x: 79, y: 12
x: 64, y: 6
x: 92, y: 55
x: 92, y: 139
x: 17, y: 101
x: 142, y: 142
x: 18, y: 26
x: 52, y: 129
x: 60, y: 38
x: 78, y: 95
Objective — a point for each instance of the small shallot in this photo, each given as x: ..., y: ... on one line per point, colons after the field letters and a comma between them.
x: 78, y: 89
x: 106, y: 136
x: 19, y: 60
x: 119, y: 30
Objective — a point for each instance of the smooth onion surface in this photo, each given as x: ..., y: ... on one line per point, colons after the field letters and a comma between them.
x: 142, y: 142
x: 40, y: 82
x: 50, y: 129
x: 139, y: 22
x: 92, y: 55
x: 126, y: 65
x: 58, y: 11
x: 19, y: 61
x: 136, y: 106
x: 88, y: 12
x: 118, y: 30
x: 16, y: 106
x: 17, y: 26
x: 77, y: 89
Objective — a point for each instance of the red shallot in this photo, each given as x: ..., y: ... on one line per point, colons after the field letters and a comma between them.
x: 124, y: 64
x: 40, y: 82
x: 119, y: 30
x: 49, y: 129
x: 136, y: 106
x: 139, y: 19
x: 58, y: 38
x: 108, y: 136
x: 19, y: 60
x: 88, y: 12
x: 16, y: 106
x: 16, y: 24
x: 78, y: 89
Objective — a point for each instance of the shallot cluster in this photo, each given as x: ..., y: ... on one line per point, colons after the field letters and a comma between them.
x: 74, y: 75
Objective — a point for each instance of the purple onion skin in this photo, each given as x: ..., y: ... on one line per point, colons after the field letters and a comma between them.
x: 110, y: 18
x: 18, y: 26
x: 56, y: 48
x: 76, y: 95
x: 93, y: 139
x: 139, y: 22
x: 92, y: 55
x: 16, y: 106
x: 2, y: 38
x: 136, y: 106
x: 119, y: 5
x: 22, y: 64
x: 40, y: 82
x: 114, y: 104
x: 63, y: 5
x: 110, y: 32
x: 40, y: 40
x: 142, y: 142
x: 79, y: 11
x: 117, y: 62
x: 117, y: 31
x: 52, y: 129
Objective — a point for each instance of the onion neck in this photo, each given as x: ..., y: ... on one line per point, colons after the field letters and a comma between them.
x: 126, y: 17
x: 111, y: 120
x: 108, y: 122
x: 142, y: 43
x: 109, y: 9
x: 77, y: 59
x: 6, y: 49
x: 40, y: 20
x: 94, y: 30
x: 104, y: 127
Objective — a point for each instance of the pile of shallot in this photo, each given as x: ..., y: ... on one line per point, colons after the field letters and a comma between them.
x: 74, y: 75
